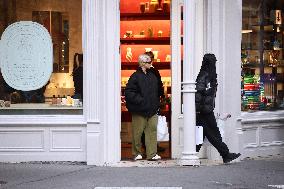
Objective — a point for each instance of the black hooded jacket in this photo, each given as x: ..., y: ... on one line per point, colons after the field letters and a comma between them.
x: 142, y: 93
x: 206, y: 85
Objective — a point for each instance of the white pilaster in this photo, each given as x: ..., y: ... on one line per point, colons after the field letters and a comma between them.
x: 176, y: 125
x: 189, y: 155
x: 101, y: 80
x: 91, y: 77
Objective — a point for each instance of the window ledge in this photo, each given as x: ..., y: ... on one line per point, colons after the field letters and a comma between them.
x: 32, y: 106
x: 42, y: 120
x: 262, y: 116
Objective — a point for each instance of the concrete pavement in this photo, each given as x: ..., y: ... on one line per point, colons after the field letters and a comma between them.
x: 247, y: 174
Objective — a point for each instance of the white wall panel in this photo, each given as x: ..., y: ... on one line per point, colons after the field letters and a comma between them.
x: 21, y: 140
x: 251, y: 138
x: 262, y: 134
x: 66, y: 140
x: 43, y: 143
x: 272, y: 136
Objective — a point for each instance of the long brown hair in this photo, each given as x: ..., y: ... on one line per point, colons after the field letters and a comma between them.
x: 80, y: 60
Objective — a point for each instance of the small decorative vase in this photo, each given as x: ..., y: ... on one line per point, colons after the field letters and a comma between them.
x: 128, y: 54
x: 166, y: 6
x: 142, y: 7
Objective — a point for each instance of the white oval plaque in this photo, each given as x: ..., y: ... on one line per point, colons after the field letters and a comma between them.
x: 26, y: 58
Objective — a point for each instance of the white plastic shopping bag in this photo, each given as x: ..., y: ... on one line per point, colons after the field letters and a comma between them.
x: 199, y: 135
x: 162, y: 129
x: 221, y: 118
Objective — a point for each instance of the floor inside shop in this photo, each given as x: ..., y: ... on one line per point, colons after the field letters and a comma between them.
x: 163, y: 151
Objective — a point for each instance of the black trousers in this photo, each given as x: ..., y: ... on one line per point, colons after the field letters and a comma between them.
x: 211, y: 132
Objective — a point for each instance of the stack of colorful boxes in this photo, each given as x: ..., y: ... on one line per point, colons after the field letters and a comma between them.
x: 251, y: 92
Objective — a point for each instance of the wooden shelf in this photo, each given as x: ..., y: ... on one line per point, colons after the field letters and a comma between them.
x: 255, y: 49
x: 257, y: 65
x: 134, y: 65
x: 145, y: 16
x: 146, y: 40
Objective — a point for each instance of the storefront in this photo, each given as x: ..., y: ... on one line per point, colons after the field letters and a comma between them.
x: 99, y: 29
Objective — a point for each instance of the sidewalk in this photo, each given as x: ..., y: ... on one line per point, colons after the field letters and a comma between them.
x: 250, y: 173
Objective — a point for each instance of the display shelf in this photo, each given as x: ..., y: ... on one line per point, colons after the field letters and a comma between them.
x: 145, y: 16
x: 257, y: 49
x: 36, y: 106
x: 146, y: 40
x: 251, y: 92
x: 257, y: 65
x: 134, y: 65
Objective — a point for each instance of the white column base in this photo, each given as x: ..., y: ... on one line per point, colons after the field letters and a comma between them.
x: 189, y: 159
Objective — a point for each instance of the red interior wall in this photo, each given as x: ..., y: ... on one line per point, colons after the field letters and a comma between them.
x: 131, y: 6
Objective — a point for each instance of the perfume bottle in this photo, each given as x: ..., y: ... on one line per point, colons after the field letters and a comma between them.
x: 54, y: 100
x: 58, y: 100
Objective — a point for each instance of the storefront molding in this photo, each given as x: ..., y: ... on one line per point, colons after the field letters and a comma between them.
x: 101, y: 40
x: 52, y: 120
x: 176, y: 77
x: 28, y: 142
x: 262, y: 117
x: 262, y: 133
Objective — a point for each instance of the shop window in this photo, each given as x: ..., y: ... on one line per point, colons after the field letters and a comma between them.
x: 63, y: 91
x: 57, y: 25
x: 262, y: 55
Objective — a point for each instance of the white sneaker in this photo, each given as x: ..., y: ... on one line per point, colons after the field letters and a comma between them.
x: 155, y: 158
x: 138, y: 157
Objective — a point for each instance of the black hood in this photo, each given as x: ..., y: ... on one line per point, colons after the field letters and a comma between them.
x: 209, y: 66
x: 209, y: 61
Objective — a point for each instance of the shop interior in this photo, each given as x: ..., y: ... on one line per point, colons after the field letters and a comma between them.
x: 63, y: 20
x: 262, y: 55
x: 145, y: 26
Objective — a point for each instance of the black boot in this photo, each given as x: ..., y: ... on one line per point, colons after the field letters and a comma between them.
x: 230, y: 157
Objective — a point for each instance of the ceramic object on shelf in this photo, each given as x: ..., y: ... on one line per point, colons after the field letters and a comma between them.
x: 166, y: 6
x: 142, y: 7
x: 148, y: 49
x: 154, y: 5
x: 150, y: 32
x: 128, y: 34
x: 2, y: 103
x: 168, y: 58
x: 147, y: 7
x: 155, y: 55
x: 128, y: 54
x: 159, y: 9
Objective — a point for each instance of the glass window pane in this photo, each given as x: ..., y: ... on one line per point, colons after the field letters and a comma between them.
x: 64, y: 91
x: 262, y: 55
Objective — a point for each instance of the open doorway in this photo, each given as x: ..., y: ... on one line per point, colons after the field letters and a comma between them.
x: 145, y: 26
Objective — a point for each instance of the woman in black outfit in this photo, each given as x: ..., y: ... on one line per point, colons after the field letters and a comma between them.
x: 78, y: 75
x: 206, y: 86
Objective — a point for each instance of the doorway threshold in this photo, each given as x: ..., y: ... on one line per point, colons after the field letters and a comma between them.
x: 160, y: 163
